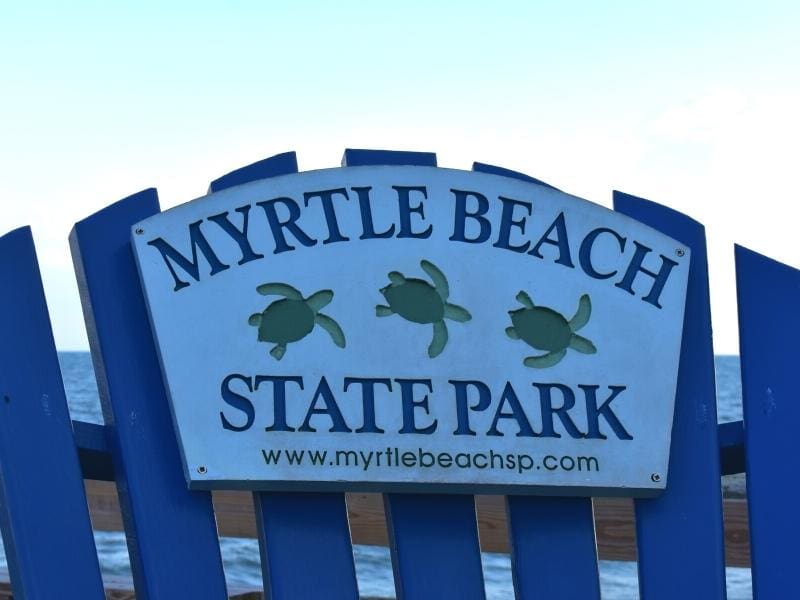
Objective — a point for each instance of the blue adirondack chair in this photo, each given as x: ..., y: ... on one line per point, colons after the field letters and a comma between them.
x: 304, y: 538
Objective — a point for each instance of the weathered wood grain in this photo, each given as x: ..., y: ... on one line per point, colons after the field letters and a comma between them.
x: 616, y: 532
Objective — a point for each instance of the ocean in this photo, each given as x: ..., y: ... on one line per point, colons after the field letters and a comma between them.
x: 241, y: 557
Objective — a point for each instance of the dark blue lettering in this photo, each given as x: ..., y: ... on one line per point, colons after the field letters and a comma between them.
x: 548, y: 410
x: 406, y: 210
x: 410, y: 404
x: 238, y: 402
x: 593, y: 412
x: 367, y: 224
x: 326, y: 197
x: 509, y: 396
x: 507, y: 222
x: 561, y: 242
x: 585, y: 254
x: 192, y: 268
x: 462, y: 403
x: 338, y: 424
x: 278, y: 399
x: 368, y: 401
x: 659, y: 278
x: 277, y: 226
x: 462, y: 214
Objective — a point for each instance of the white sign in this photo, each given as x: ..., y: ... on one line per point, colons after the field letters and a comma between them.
x: 415, y: 328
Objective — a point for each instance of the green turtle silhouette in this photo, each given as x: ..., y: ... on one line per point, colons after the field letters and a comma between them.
x: 418, y: 301
x: 293, y: 318
x: 545, y: 329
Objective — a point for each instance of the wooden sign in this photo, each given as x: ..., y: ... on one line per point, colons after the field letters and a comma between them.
x: 415, y: 328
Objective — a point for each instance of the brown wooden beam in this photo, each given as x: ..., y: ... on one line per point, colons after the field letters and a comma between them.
x: 614, y: 521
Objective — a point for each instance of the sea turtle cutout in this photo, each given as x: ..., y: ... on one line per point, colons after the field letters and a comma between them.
x: 418, y: 301
x: 293, y: 318
x: 545, y: 329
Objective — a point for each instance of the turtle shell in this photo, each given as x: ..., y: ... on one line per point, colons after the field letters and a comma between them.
x: 285, y: 321
x: 415, y: 300
x: 542, y: 328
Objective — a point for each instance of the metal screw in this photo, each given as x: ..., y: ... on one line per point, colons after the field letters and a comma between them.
x: 655, y: 477
x: 680, y: 252
x: 202, y: 470
x: 139, y: 231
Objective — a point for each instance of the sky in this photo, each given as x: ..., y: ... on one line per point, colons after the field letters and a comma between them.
x: 691, y: 104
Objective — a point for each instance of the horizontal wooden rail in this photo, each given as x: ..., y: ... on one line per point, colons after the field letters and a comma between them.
x: 613, y: 518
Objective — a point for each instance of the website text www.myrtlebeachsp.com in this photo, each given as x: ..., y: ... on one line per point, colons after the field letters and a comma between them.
x: 396, y: 458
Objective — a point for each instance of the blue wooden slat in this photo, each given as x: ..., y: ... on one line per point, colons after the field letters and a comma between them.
x: 433, y: 538
x: 171, y: 532
x: 280, y: 164
x: 495, y: 170
x: 43, y: 512
x: 553, y: 547
x: 769, y: 328
x: 361, y: 158
x: 731, y: 447
x: 305, y: 546
x: 434, y: 545
x: 304, y: 538
x: 680, y: 533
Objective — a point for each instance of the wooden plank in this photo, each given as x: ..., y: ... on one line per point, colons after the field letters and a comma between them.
x: 434, y: 544
x: 433, y: 538
x: 768, y: 294
x: 680, y: 533
x: 46, y: 529
x: 616, y: 536
x: 553, y: 548
x: 304, y: 538
x: 171, y: 532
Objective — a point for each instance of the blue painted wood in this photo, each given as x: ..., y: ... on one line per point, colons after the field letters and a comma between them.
x: 494, y: 170
x: 304, y: 538
x: 553, y: 547
x: 362, y: 158
x: 434, y: 545
x: 680, y: 533
x: 280, y: 164
x: 93, y: 453
x: 731, y: 447
x: 171, y: 532
x: 305, y: 546
x: 433, y: 538
x: 43, y: 512
x: 769, y: 328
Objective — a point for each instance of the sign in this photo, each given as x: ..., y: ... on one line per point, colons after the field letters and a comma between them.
x: 415, y: 328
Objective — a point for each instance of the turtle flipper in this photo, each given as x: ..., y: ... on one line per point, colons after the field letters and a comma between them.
x: 581, y: 344
x: 254, y: 320
x: 439, y: 340
x: 278, y: 351
x: 456, y: 313
x: 582, y: 314
x: 438, y: 278
x: 279, y: 289
x: 396, y: 278
x: 512, y: 333
x: 524, y: 299
x: 319, y: 300
x: 544, y: 361
x: 383, y: 311
x: 332, y: 327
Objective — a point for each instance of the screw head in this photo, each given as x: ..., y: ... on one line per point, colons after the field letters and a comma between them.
x: 680, y: 252
x: 139, y: 231
x: 202, y: 470
x: 655, y: 477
